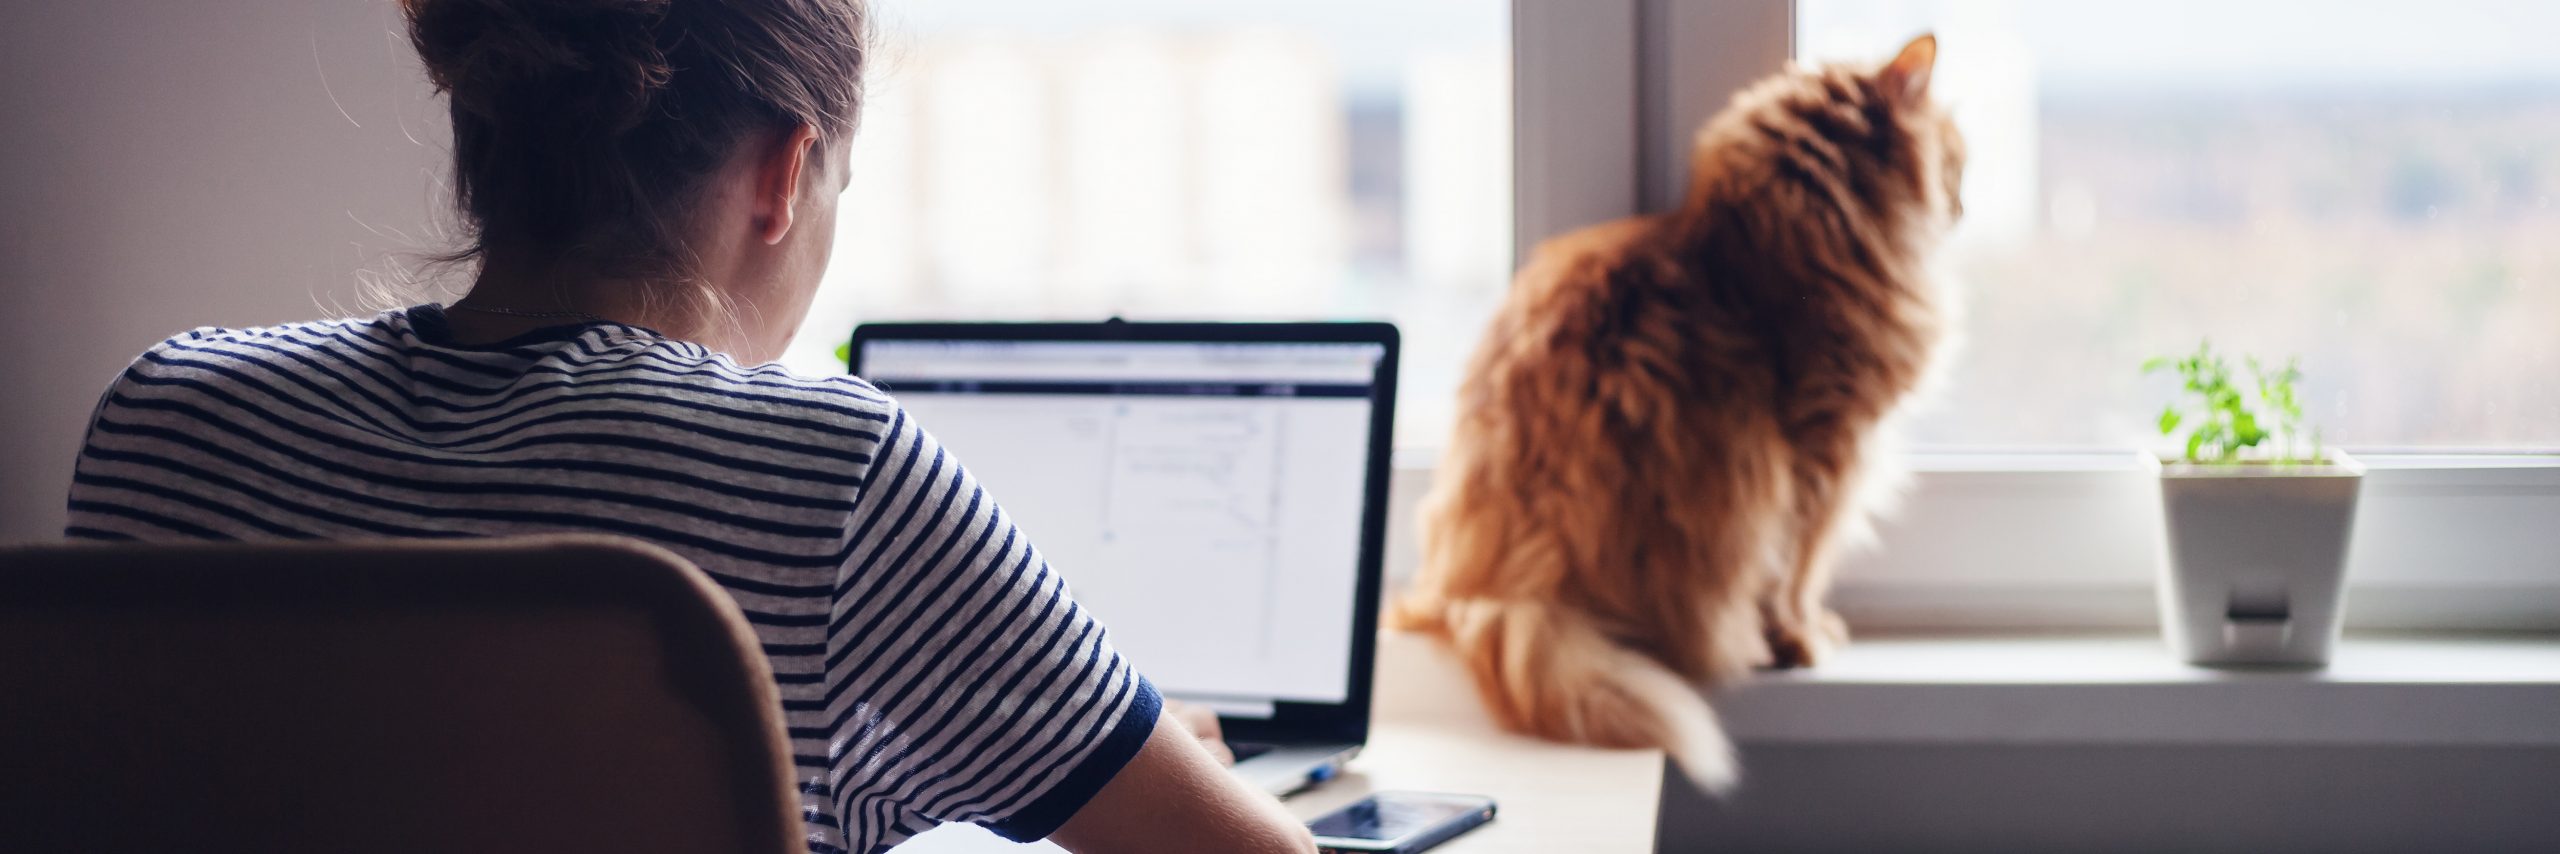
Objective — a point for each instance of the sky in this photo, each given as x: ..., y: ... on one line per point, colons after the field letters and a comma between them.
x: 1370, y: 38
x: 2185, y: 44
x: 2106, y: 44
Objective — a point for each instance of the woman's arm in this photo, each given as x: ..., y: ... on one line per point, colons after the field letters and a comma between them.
x: 1175, y: 796
x: 980, y: 692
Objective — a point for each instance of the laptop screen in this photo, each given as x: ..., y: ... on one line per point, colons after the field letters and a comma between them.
x: 1204, y: 500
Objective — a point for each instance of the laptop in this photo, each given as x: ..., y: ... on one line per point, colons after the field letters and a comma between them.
x: 1215, y: 493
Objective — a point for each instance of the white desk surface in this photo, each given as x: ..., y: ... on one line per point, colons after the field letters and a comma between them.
x: 1429, y: 733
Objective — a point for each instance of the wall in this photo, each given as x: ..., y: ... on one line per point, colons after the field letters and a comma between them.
x: 167, y: 164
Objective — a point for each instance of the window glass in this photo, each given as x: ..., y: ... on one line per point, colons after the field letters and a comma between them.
x: 1177, y: 160
x: 2368, y: 184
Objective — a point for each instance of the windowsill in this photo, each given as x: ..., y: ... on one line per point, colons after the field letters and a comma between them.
x: 2032, y: 541
x: 2023, y: 689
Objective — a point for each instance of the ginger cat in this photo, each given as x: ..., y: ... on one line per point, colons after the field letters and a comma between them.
x: 1670, y: 428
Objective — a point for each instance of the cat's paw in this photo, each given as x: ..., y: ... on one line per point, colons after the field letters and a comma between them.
x: 1792, y: 645
x: 1833, y: 630
x: 1761, y: 656
x: 1791, y: 648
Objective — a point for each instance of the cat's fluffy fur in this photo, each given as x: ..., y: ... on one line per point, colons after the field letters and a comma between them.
x: 1667, y: 433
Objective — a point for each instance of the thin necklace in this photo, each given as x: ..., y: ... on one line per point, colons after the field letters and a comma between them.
x: 517, y: 312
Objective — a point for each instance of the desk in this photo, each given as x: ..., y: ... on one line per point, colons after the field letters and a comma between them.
x: 1428, y: 733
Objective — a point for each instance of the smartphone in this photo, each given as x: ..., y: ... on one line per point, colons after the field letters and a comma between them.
x: 1399, y: 822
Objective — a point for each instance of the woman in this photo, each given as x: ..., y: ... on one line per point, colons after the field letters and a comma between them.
x: 650, y: 188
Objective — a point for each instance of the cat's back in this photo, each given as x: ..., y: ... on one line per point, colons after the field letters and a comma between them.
x: 1579, y: 263
x: 1573, y: 289
x: 1614, y: 329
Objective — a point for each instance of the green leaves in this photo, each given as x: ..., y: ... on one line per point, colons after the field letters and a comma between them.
x: 844, y: 353
x: 2225, y: 418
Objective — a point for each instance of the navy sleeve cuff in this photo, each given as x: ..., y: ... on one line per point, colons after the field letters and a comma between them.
x: 1036, y: 820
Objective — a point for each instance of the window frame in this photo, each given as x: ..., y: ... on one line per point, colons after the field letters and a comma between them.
x: 1605, y: 96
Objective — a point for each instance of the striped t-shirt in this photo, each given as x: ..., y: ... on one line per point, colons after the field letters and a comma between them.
x: 932, y: 666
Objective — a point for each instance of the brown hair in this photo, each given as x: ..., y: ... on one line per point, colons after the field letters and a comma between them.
x: 583, y: 129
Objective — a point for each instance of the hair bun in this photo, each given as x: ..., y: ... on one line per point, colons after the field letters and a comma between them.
x: 586, y: 63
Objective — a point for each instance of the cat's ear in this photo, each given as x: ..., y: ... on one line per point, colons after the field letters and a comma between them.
x: 1905, y: 80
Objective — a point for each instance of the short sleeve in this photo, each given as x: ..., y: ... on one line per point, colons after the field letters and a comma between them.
x: 966, y: 683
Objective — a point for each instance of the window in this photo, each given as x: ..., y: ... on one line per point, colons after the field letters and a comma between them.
x: 1165, y: 159
x: 2372, y: 185
x: 2368, y: 184
x: 2144, y: 175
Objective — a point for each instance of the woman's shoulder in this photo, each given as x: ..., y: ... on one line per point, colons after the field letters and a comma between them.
x: 218, y: 350
x: 394, y: 356
x: 701, y: 370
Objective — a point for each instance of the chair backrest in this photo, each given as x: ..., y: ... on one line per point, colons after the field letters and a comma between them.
x: 539, y: 694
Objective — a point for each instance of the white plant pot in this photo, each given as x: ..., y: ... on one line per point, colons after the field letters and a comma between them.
x: 2254, y: 559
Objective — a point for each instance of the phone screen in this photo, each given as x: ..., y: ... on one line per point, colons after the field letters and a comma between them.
x: 1383, y: 818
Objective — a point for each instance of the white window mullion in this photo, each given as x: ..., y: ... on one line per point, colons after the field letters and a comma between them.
x: 1607, y: 93
x: 1575, y: 115
x: 1695, y: 54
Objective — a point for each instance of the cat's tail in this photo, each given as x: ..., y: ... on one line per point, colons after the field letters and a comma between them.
x: 1547, y: 671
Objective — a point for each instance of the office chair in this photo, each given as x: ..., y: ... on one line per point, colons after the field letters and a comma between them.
x: 543, y: 694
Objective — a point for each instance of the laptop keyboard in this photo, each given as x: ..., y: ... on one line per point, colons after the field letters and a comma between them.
x: 1248, y: 749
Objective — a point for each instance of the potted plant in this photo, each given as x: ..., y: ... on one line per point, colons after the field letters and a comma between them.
x: 2256, y: 520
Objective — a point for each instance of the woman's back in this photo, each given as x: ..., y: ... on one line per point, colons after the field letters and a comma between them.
x: 931, y: 665
x: 674, y: 164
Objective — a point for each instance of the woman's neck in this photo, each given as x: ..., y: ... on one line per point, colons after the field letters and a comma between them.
x: 510, y: 299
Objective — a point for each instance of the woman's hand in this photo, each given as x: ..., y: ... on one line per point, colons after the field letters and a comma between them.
x: 1203, y: 725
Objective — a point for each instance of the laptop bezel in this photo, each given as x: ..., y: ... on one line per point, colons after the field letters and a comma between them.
x: 1347, y: 721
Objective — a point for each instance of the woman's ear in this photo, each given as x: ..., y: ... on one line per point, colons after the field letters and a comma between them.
x: 1905, y: 80
x: 778, y: 171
